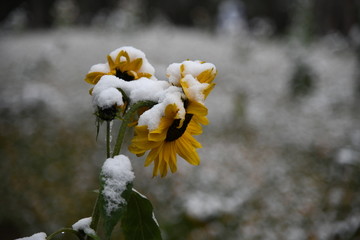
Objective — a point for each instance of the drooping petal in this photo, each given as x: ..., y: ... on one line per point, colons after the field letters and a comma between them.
x: 187, y: 151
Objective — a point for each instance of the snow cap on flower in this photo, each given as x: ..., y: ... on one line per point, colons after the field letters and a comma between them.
x: 172, y: 95
x: 134, y: 58
x: 106, y: 92
x: 176, y: 71
x: 127, y: 63
x: 195, y: 77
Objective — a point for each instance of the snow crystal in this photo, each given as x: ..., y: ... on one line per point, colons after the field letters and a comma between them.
x: 117, y: 173
x: 36, y: 236
x: 133, y: 54
x: 84, y: 225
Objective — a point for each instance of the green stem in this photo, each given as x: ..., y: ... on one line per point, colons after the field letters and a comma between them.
x: 62, y: 230
x: 95, y: 214
x: 108, y: 139
x: 126, y: 121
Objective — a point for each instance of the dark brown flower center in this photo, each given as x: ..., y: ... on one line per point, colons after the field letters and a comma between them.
x: 174, y: 132
x: 124, y: 75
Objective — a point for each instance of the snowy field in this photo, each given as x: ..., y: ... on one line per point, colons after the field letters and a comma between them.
x: 273, y: 166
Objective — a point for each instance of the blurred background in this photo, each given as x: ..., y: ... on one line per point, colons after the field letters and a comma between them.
x: 280, y: 158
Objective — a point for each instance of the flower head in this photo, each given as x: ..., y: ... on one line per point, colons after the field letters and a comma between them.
x: 172, y: 137
x: 196, y: 80
x: 127, y: 63
x: 195, y: 77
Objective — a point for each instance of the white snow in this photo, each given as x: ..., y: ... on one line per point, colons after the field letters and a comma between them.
x: 173, y: 73
x: 36, y: 236
x: 194, y: 68
x: 117, y: 173
x: 195, y: 88
x: 139, y: 90
x: 101, y: 67
x: 84, y: 225
x: 106, y: 92
x: 108, y: 97
x: 151, y: 117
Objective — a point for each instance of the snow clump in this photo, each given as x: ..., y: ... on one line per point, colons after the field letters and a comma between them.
x: 117, y: 173
x: 36, y: 236
x: 84, y: 225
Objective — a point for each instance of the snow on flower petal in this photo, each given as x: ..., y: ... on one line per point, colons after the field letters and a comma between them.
x: 172, y: 137
x: 140, y: 90
x: 172, y: 95
x: 127, y: 63
x: 195, y: 77
x: 132, y: 59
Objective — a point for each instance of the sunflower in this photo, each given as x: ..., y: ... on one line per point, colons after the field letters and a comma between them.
x: 196, y: 80
x: 172, y: 137
x: 126, y: 63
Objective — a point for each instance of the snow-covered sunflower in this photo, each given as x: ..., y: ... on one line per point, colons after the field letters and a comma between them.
x: 127, y: 63
x: 173, y: 136
x: 196, y: 80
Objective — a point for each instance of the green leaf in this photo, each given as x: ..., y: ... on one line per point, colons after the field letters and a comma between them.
x: 112, y: 218
x: 138, y: 222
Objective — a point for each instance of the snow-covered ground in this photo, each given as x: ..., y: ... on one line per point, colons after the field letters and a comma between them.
x: 273, y: 167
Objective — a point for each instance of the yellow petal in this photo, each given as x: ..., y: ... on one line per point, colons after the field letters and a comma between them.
x: 197, y: 108
x: 94, y: 77
x: 135, y: 65
x: 172, y: 156
x: 208, y: 89
x: 111, y: 62
x: 187, y: 151
x: 154, y: 153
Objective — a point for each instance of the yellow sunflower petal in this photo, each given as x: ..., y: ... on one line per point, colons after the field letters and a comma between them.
x: 172, y: 156
x: 111, y: 62
x: 163, y: 165
x: 154, y: 153
x: 208, y: 89
x: 197, y: 108
x: 187, y: 151
x: 147, y: 75
x: 94, y: 77
x: 206, y: 76
x: 135, y: 65
x: 156, y: 167
x: 194, y: 128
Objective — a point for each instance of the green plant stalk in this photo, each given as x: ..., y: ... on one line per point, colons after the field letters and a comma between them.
x: 108, y: 150
x: 126, y: 120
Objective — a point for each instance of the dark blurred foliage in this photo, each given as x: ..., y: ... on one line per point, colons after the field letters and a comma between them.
x: 325, y: 16
x: 49, y: 158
